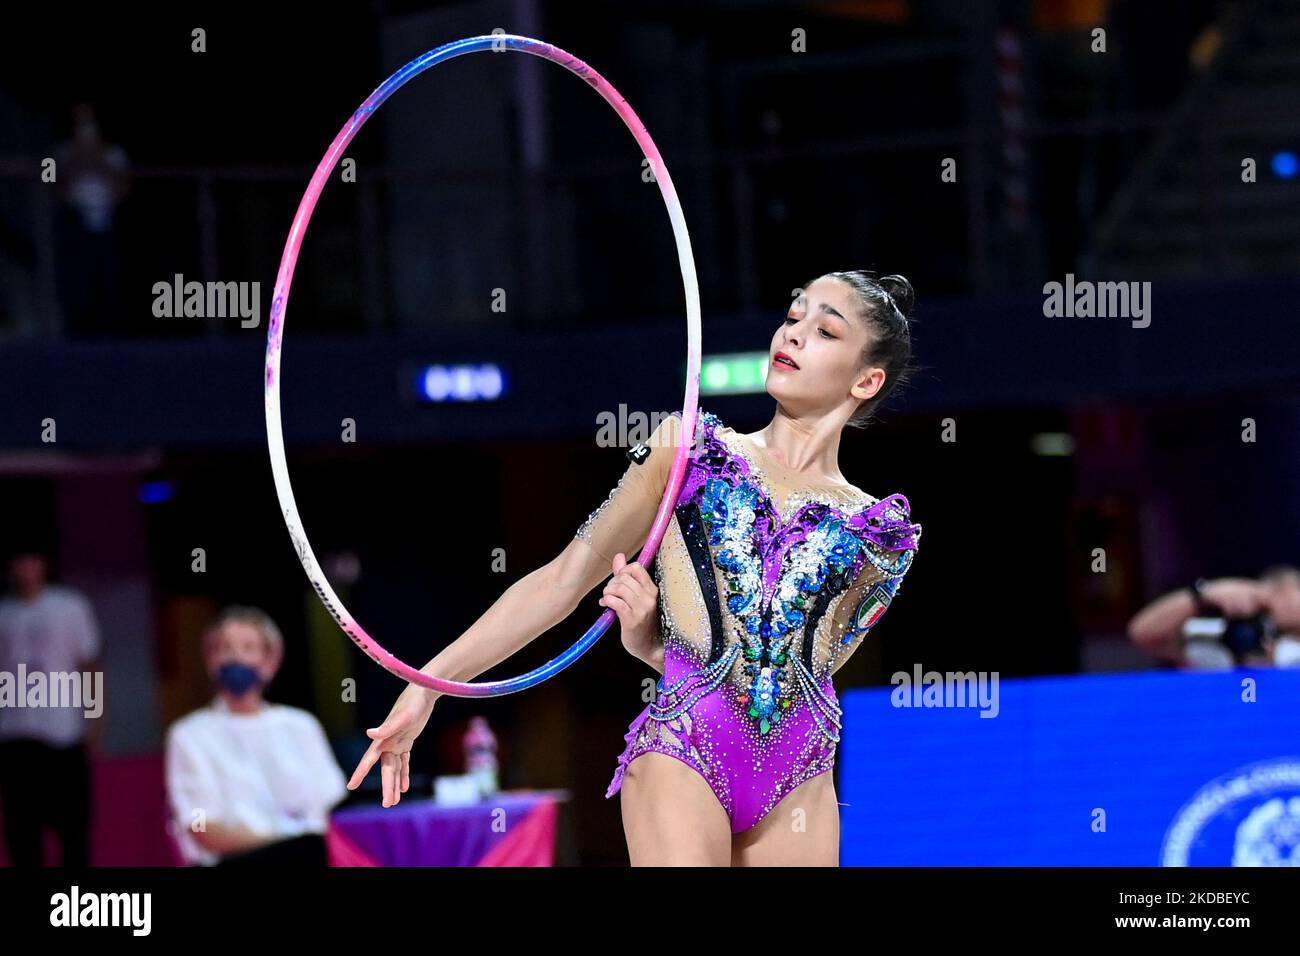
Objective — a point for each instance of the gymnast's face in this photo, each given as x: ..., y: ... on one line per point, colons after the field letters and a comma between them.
x: 826, y: 335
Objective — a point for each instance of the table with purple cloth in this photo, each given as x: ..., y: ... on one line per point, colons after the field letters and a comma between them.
x: 510, y: 828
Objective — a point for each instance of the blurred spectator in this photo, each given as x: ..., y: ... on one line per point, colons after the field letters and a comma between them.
x: 93, y: 177
x: 1226, y: 622
x: 249, y: 781
x: 44, y: 771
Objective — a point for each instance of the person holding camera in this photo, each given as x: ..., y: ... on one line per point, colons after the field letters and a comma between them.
x: 1225, y: 622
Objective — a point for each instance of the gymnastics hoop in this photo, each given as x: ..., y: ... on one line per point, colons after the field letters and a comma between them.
x: 275, y: 336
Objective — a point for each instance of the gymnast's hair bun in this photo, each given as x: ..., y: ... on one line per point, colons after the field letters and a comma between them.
x: 900, y: 290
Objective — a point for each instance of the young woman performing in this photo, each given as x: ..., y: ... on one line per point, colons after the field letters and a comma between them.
x: 764, y: 585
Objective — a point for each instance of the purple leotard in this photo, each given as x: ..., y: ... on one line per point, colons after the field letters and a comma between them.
x: 746, y: 699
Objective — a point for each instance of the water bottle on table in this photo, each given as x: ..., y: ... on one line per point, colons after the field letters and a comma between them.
x: 481, y: 755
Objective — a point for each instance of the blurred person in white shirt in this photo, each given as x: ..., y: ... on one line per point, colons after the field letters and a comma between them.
x: 48, y: 637
x: 249, y: 781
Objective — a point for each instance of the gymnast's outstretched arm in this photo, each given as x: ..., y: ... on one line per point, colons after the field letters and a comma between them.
x: 545, y: 597
x: 536, y: 603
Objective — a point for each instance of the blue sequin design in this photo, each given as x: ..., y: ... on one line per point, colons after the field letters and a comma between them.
x: 731, y: 512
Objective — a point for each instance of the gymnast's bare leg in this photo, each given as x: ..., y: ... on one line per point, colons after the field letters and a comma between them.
x: 671, y: 816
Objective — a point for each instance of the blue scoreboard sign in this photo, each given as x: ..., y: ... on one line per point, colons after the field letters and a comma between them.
x: 1148, y: 769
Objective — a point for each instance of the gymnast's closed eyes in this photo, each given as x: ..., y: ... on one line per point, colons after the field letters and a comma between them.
x: 769, y: 576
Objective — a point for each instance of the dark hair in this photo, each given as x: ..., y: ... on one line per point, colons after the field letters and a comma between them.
x: 886, y: 306
x: 24, y: 545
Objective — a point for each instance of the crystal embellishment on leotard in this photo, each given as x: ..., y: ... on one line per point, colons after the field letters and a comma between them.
x: 773, y: 570
x: 729, y: 514
x: 754, y: 616
x: 682, y: 695
x: 824, y: 709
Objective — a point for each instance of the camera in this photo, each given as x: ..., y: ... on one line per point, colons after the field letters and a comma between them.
x: 1242, y: 637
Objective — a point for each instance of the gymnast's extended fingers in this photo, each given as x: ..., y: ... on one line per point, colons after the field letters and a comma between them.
x: 406, y: 771
x: 364, y: 764
x: 389, y: 764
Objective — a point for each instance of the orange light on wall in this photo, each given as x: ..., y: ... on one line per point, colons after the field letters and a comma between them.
x: 1070, y: 14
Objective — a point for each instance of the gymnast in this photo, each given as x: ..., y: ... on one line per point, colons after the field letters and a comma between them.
x: 772, y: 571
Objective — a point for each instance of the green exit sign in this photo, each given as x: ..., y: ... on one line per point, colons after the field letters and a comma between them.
x: 733, y: 374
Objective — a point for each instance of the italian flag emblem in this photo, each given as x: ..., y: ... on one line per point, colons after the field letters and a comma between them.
x: 872, y: 607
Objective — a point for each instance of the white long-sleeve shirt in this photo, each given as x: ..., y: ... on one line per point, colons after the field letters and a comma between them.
x: 54, y: 633
x: 271, y: 772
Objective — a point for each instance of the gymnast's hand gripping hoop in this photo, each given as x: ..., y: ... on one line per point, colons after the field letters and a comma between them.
x: 275, y: 335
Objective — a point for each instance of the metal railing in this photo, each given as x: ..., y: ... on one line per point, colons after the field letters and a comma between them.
x: 220, y: 223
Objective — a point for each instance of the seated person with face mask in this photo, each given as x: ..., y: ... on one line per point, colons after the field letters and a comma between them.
x: 249, y: 781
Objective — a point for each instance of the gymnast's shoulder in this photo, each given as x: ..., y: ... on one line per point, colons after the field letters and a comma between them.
x: 669, y: 426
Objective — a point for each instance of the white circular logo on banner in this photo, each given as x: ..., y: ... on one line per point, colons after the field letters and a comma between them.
x: 1248, y: 817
